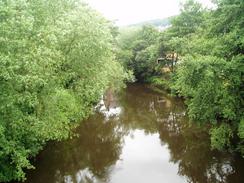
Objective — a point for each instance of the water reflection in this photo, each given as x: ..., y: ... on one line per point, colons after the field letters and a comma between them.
x: 137, y: 136
x: 143, y: 159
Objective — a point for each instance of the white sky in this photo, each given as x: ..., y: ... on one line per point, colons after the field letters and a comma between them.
x: 126, y: 12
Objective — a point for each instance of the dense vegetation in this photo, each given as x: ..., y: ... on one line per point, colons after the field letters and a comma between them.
x: 200, y: 57
x: 56, y: 60
x: 136, y: 51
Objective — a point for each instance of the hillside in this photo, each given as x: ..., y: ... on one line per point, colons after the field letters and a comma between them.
x: 165, y: 22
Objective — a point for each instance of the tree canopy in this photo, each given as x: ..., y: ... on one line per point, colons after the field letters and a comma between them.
x: 56, y: 60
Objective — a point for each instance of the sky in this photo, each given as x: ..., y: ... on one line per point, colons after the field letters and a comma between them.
x: 126, y: 12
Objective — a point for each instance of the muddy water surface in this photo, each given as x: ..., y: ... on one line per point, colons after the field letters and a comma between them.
x: 137, y: 136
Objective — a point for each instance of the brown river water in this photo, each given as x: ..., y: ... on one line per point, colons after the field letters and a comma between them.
x: 137, y: 136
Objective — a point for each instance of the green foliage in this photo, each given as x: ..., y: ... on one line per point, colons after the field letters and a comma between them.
x: 189, y: 20
x: 159, y: 82
x: 210, y: 73
x: 212, y: 92
x: 204, y: 51
x: 220, y: 136
x: 241, y: 129
x: 56, y: 60
x: 241, y: 135
x: 138, y: 51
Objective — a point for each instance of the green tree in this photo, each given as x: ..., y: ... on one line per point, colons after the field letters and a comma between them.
x: 210, y: 73
x: 137, y: 50
x: 56, y: 60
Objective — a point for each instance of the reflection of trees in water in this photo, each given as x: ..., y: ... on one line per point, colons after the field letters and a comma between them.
x: 145, y: 109
x: 88, y: 158
x: 188, y: 144
x: 92, y: 156
x: 140, y: 109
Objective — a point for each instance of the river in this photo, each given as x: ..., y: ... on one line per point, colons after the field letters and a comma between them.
x: 137, y: 136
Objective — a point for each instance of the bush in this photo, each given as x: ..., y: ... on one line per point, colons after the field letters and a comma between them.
x: 221, y: 137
